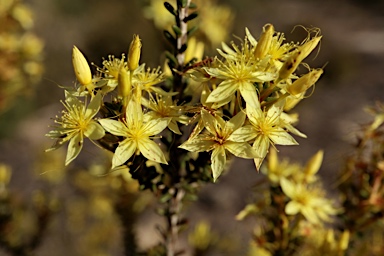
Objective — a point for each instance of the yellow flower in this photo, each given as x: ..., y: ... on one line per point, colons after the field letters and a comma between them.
x: 265, y: 128
x: 164, y: 107
x: 137, y: 135
x: 237, y: 75
x: 308, y: 201
x: 218, y: 140
x: 75, y: 123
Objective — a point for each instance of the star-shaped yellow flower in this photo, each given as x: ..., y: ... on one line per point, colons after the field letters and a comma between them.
x: 265, y: 128
x: 217, y: 139
x: 137, y: 133
x: 237, y: 75
x: 75, y: 123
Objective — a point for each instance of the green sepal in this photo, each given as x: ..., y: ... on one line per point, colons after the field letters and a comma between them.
x: 190, y: 17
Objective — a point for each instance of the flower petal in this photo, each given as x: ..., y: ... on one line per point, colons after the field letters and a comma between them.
x: 115, y: 127
x: 225, y: 90
x: 218, y: 159
x: 94, y: 131
x: 74, y: 147
x: 235, y: 122
x: 93, y: 106
x: 292, y: 208
x: 156, y: 126
x: 198, y: 144
x: 243, y: 134
x: 151, y: 151
x: 241, y: 149
x: 248, y: 92
x: 281, y: 137
x: 123, y: 152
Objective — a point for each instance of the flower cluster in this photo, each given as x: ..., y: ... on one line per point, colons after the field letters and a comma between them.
x: 241, y: 112
x: 258, y: 82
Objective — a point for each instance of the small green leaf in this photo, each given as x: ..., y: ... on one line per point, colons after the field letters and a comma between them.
x: 169, y: 37
x: 183, y: 48
x: 172, y: 59
x: 176, y: 29
x: 170, y: 8
x: 192, y: 6
x: 192, y: 30
x: 190, y: 17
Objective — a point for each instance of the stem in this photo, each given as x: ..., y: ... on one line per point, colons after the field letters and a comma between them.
x: 182, y: 39
x: 174, y: 207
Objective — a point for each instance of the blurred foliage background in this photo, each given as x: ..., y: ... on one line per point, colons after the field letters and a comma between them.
x: 352, y: 47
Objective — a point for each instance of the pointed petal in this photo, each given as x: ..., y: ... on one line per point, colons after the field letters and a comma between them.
x: 248, y: 92
x: 223, y: 91
x: 94, y: 131
x: 151, y: 151
x: 156, y: 126
x: 281, y: 137
x: 198, y: 144
x: 123, y: 152
x: 74, y: 147
x: 288, y: 187
x: 134, y: 113
x: 218, y: 159
x: 174, y: 127
x: 292, y: 208
x: 261, y: 145
x: 241, y: 149
x: 115, y: 127
x: 255, y: 115
x: 235, y: 122
x: 209, y: 121
x: 93, y: 106
x: 243, y: 134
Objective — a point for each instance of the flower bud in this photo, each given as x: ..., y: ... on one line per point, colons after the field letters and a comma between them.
x: 124, y: 83
x: 134, y: 53
x: 81, y: 67
x: 308, y: 47
x: 265, y: 40
x: 313, y: 165
x: 297, y: 57
x: 305, y: 82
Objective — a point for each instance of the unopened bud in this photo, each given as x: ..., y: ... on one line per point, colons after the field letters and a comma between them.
x: 265, y: 40
x: 344, y: 241
x: 290, y: 65
x: 306, y: 81
x: 124, y: 83
x: 81, y: 67
x: 5, y: 174
x: 308, y: 47
x: 313, y: 165
x: 134, y: 53
x: 297, y: 57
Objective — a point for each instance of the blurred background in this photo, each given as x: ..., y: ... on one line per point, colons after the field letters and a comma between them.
x: 352, y: 47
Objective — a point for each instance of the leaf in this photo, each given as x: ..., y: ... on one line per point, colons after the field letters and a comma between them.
x: 170, y: 8
x: 190, y: 17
